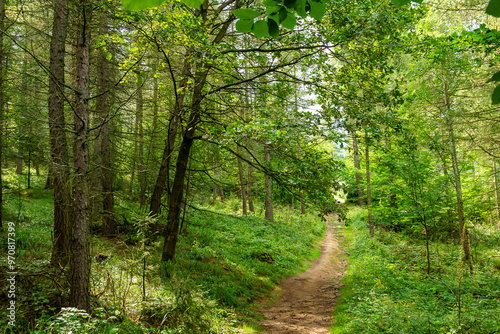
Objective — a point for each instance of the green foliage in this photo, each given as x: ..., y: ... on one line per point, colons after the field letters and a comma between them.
x: 251, y: 252
x: 246, y: 13
x: 400, y: 3
x: 495, y: 96
x: 386, y: 288
x: 215, y: 248
x: 493, y: 8
x: 278, y: 13
x: 186, y: 308
x: 145, y: 4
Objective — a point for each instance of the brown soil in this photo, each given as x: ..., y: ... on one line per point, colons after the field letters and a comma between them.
x: 306, y: 301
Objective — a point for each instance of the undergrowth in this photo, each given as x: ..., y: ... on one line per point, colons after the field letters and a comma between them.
x: 387, y: 290
x: 224, y: 262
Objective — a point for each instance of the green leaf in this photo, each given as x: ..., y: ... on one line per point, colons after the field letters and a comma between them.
x: 495, y: 77
x: 246, y: 13
x: 145, y: 4
x: 317, y: 10
x: 140, y: 4
x: 272, y: 10
x: 272, y: 13
x: 493, y: 8
x: 260, y: 29
x: 194, y: 3
x: 495, y: 97
x: 244, y: 26
x: 290, y: 21
x: 300, y: 8
x: 283, y: 14
x: 289, y: 3
x: 270, y: 2
x: 399, y: 3
x: 274, y: 29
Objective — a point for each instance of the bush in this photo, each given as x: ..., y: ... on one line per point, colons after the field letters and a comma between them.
x: 387, y: 289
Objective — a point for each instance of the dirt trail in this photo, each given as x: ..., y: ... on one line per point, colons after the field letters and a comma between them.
x: 306, y: 300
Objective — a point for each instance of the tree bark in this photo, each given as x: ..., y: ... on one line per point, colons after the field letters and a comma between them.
x: 162, y: 179
x: 464, y: 235
x: 175, y: 198
x: 357, y: 165
x: 176, y: 195
x: 37, y: 167
x: 218, y: 190
x: 19, y: 163
x: 49, y: 183
x: 134, y: 157
x: 302, y: 204
x: 29, y: 168
x: 242, y: 185
x: 497, y: 197
x: 61, y: 250
x: 249, y: 188
x: 139, y: 115
x: 248, y: 166
x: 81, y: 265
x: 368, y: 189
x: 269, y: 193
x: 105, y: 167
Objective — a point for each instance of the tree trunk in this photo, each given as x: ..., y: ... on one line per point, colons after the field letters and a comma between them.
x: 269, y: 193
x: 357, y: 165
x: 302, y: 205
x: 175, y: 198
x: 176, y: 194
x: 162, y: 180
x: 249, y: 189
x: 448, y: 193
x: 393, y: 203
x: 368, y: 189
x: 242, y: 185
x: 464, y: 235
x: 2, y: 103
x: 95, y: 176
x: 248, y: 166
x: 153, y: 144
x: 108, y: 201
x: 497, y: 197
x: 218, y: 190
x: 61, y: 250
x: 105, y: 167
x: 134, y: 157
x: 81, y: 265
x: 49, y: 184
x: 37, y: 167
x: 29, y: 169
x: 19, y: 163
x: 139, y: 115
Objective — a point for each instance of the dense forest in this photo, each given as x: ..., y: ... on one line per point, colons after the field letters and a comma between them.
x: 165, y: 164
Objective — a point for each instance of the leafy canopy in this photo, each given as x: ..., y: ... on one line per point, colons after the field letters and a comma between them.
x: 145, y: 4
x: 260, y: 21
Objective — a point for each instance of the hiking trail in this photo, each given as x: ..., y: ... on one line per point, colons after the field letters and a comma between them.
x: 306, y: 300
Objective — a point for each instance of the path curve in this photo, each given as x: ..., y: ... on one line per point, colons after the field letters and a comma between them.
x: 306, y: 300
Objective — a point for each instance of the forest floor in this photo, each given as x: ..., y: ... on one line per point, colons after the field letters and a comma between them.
x: 305, y: 301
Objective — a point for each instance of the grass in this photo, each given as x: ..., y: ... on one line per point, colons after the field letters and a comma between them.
x: 224, y: 263
x: 386, y: 288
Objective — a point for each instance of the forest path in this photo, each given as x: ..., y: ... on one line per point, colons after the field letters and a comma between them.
x: 306, y: 300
